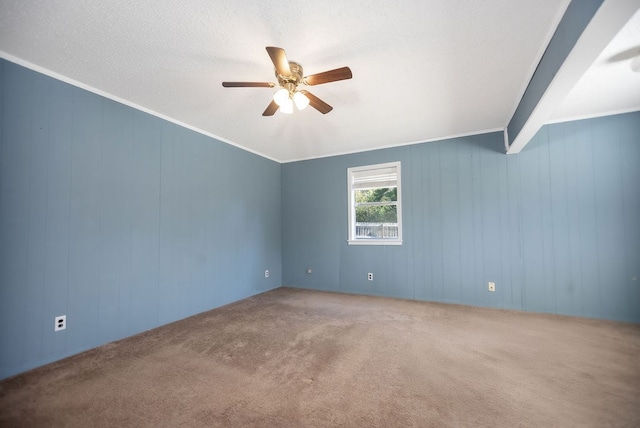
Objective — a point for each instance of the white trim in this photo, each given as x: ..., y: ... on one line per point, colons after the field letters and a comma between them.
x: 506, y: 140
x: 117, y: 99
x: 391, y: 146
x: 593, y: 116
x: 351, y: 205
x: 57, y: 76
x: 375, y: 242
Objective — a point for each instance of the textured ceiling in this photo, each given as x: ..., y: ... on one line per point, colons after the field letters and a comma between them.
x: 422, y: 70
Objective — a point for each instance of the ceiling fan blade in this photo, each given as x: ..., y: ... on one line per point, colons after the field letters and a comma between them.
x: 279, y: 59
x: 248, y: 84
x: 342, y: 73
x: 271, y: 109
x: 317, y: 103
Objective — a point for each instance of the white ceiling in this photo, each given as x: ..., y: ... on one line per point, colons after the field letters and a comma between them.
x: 422, y: 70
x: 609, y: 85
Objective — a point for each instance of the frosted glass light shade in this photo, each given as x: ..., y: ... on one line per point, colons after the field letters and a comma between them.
x: 287, y: 106
x: 301, y: 100
x: 281, y: 97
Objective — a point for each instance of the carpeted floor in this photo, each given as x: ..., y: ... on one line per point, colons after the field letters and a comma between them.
x: 298, y: 358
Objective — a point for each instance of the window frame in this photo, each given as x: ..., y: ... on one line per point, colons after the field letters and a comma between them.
x: 352, y: 240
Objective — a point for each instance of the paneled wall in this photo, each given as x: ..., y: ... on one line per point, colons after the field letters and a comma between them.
x: 124, y: 222
x: 119, y: 220
x: 556, y: 227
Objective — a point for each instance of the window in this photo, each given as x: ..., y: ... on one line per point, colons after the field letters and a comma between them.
x: 375, y: 209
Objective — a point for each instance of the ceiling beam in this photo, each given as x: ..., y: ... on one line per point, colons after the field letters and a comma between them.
x: 585, y: 30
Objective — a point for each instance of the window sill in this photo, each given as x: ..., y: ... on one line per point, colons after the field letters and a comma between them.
x: 374, y: 242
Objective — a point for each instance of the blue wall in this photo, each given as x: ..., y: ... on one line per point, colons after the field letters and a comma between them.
x: 556, y: 227
x: 120, y: 220
x: 124, y: 222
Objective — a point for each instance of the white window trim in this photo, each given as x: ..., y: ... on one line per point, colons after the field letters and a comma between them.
x: 352, y: 206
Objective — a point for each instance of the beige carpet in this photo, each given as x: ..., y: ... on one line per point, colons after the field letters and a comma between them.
x: 304, y: 358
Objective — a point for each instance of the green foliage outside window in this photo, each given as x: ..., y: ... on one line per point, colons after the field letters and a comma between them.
x: 375, y: 213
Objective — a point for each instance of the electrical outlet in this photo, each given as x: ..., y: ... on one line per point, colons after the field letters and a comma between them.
x: 266, y: 273
x: 491, y: 286
x: 60, y: 323
x: 370, y: 276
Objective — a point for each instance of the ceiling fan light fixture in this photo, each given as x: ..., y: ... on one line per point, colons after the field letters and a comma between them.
x: 289, y: 76
x: 287, y: 106
x: 301, y: 100
x: 281, y: 97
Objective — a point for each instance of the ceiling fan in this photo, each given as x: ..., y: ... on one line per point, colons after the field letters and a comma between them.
x: 290, y: 75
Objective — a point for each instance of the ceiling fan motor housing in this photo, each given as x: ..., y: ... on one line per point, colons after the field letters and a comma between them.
x: 291, y: 82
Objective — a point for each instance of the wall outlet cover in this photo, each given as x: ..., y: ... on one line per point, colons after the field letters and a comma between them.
x: 60, y: 323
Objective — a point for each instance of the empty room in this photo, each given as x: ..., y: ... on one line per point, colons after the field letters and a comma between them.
x: 317, y: 214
